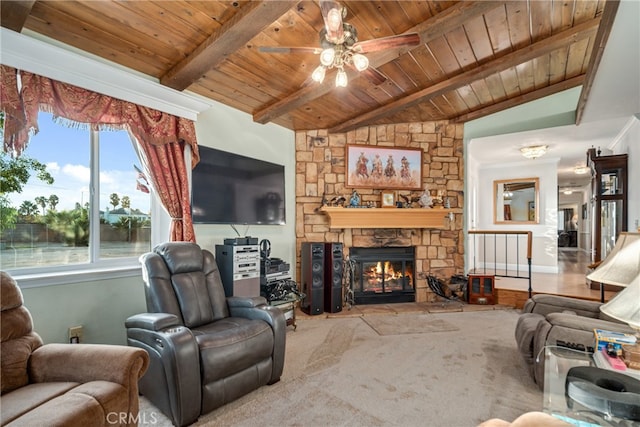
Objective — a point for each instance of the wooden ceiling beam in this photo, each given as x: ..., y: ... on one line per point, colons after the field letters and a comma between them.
x: 247, y: 23
x: 535, y: 50
x: 608, y: 17
x: 521, y: 99
x: 440, y: 24
x: 13, y: 14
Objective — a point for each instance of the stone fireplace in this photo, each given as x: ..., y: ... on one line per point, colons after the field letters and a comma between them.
x: 320, y: 175
x: 383, y: 275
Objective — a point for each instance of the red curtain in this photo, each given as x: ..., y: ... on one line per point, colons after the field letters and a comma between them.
x: 14, y: 119
x: 161, y: 137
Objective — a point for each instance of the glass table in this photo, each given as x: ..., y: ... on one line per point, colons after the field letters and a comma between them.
x: 288, y: 307
x: 558, y: 361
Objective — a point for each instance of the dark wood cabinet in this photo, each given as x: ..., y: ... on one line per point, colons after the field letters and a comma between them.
x: 609, y: 201
x: 481, y: 289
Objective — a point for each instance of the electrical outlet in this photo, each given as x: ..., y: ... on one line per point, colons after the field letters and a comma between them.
x: 75, y: 334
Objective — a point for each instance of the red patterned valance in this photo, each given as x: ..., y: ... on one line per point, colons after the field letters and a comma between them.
x: 161, y: 137
x: 84, y: 107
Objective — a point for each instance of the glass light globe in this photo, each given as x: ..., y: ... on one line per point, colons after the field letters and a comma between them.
x: 318, y: 74
x: 361, y: 62
x: 327, y: 56
x: 334, y: 19
x: 341, y: 79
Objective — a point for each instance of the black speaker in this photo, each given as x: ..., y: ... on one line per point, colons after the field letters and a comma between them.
x: 333, y: 277
x: 312, y: 272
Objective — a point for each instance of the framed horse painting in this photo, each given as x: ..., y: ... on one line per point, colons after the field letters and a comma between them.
x: 371, y: 166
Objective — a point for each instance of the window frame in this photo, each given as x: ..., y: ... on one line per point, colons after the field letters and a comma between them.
x: 96, y: 268
x: 62, y: 62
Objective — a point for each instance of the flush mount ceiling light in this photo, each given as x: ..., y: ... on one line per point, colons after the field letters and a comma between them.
x: 534, y: 151
x: 581, y: 170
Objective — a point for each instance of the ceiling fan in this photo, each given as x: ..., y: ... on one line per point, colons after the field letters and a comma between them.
x: 339, y: 46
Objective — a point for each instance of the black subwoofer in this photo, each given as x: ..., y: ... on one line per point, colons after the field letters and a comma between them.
x: 333, y: 277
x: 312, y: 272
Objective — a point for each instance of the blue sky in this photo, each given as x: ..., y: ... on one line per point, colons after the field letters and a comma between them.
x: 65, y: 151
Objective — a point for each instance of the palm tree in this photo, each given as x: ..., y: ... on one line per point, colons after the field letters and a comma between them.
x: 125, y: 202
x: 42, y: 202
x: 53, y: 202
x: 114, y: 200
x: 28, y: 210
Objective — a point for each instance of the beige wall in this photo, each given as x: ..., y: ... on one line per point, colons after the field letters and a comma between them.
x: 320, y: 167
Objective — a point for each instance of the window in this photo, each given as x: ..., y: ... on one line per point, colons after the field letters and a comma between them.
x: 97, y: 211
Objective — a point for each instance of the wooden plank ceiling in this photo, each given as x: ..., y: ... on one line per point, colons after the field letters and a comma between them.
x: 474, y: 58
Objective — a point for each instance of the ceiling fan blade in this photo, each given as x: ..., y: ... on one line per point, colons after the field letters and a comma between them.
x: 279, y: 49
x: 375, y: 45
x: 332, y: 15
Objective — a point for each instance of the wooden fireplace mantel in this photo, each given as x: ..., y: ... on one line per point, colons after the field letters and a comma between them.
x: 387, y: 217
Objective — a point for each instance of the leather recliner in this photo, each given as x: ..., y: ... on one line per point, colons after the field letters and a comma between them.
x: 553, y: 320
x: 205, y: 349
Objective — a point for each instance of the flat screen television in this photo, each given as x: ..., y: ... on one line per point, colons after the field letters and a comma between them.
x: 228, y: 188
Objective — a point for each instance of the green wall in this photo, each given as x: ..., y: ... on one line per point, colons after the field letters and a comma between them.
x: 552, y: 111
x: 101, y: 307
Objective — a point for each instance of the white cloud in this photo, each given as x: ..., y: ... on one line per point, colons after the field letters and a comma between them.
x: 77, y: 172
x: 53, y: 168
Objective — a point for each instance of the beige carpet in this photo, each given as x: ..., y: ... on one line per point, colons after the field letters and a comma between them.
x: 408, y: 324
x: 341, y: 372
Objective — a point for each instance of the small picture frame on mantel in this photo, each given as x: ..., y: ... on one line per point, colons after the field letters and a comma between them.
x: 388, y: 199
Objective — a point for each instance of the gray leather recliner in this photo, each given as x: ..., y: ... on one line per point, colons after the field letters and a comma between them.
x: 552, y: 320
x: 205, y: 349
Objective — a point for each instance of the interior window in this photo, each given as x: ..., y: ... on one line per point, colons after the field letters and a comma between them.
x: 96, y: 209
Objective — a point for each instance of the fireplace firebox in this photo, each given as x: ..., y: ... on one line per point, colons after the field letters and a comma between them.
x: 383, y: 275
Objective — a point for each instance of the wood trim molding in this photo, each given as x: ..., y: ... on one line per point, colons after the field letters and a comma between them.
x: 387, y: 218
x: 522, y: 99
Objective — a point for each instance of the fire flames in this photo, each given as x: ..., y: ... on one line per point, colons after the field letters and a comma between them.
x: 385, y: 273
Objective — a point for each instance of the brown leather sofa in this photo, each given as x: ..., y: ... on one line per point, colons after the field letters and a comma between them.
x: 552, y: 320
x: 62, y: 384
x: 206, y: 349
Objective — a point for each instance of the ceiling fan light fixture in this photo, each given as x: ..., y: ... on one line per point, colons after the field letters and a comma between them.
x: 361, y: 62
x: 318, y: 74
x: 341, y: 79
x: 327, y: 56
x: 534, y: 151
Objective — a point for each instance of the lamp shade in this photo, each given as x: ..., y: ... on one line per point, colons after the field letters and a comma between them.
x: 625, y: 306
x: 622, y: 265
